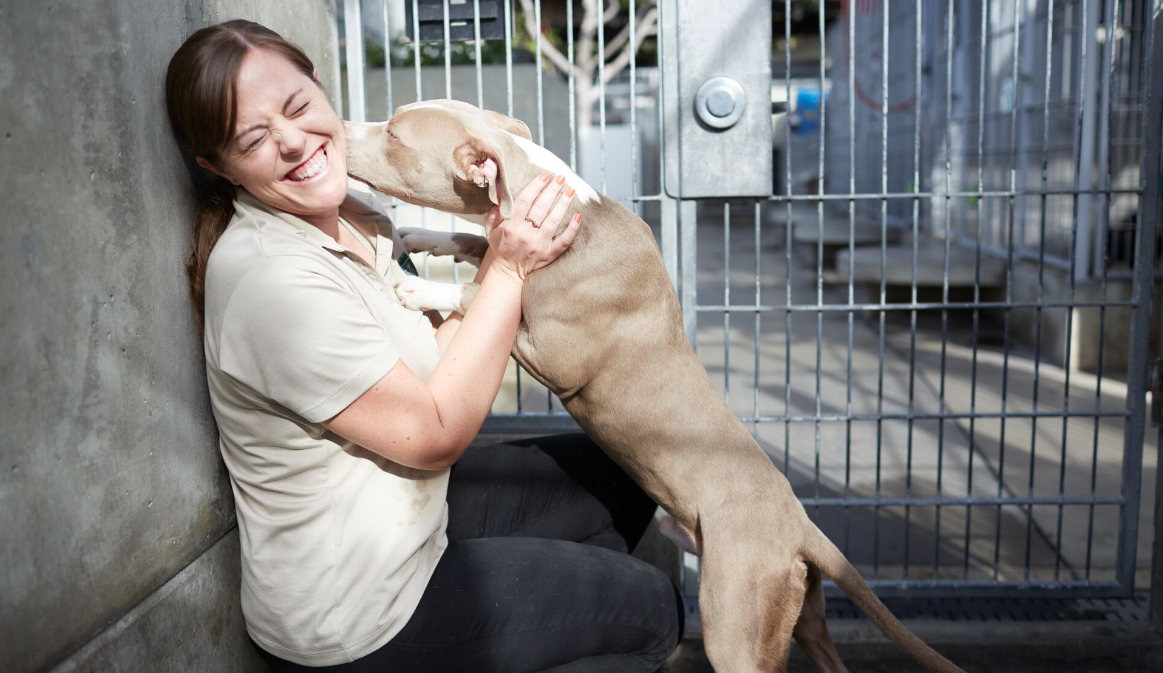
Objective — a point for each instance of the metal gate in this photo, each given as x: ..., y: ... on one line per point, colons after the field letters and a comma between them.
x: 934, y: 310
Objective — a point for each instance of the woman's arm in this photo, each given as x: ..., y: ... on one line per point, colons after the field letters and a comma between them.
x: 451, y: 324
x: 428, y: 425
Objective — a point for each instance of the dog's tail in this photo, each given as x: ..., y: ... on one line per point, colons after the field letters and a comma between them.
x: 833, y: 563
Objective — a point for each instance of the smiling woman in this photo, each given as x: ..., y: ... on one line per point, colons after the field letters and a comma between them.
x: 205, y: 120
x: 368, y: 530
x: 287, y: 148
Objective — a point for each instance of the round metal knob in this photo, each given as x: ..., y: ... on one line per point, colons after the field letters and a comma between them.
x: 720, y: 102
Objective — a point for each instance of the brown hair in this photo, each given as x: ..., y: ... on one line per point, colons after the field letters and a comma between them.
x: 201, y: 95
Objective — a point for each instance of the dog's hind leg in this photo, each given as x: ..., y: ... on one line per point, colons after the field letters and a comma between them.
x: 749, y: 605
x: 811, y: 631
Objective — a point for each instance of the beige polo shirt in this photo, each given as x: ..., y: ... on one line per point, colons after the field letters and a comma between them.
x: 338, y: 543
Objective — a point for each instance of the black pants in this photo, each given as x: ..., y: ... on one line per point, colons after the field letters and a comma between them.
x: 516, y: 592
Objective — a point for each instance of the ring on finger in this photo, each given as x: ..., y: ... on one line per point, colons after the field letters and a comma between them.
x: 535, y: 224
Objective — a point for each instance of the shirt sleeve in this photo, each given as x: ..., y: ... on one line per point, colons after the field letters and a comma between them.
x: 294, y: 334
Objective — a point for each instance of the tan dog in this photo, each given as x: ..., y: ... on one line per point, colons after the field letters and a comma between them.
x: 601, y: 328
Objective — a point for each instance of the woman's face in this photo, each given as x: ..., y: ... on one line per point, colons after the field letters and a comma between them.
x: 288, y: 147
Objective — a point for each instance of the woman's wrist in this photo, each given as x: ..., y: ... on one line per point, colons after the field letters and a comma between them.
x: 507, y: 270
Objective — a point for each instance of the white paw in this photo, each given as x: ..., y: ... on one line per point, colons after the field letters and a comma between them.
x: 419, y: 294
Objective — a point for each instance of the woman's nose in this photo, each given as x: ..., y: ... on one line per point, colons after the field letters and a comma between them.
x: 292, y: 138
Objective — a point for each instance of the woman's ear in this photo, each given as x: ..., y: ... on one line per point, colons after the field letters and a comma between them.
x: 214, y: 169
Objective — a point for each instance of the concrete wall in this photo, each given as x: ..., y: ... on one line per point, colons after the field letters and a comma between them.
x: 119, y: 544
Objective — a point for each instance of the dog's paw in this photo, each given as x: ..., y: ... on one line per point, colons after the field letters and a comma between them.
x: 418, y: 294
x: 442, y: 244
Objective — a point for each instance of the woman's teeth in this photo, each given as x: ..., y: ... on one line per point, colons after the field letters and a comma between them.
x: 312, y: 167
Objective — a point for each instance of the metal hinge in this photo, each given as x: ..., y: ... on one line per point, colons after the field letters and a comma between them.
x: 1155, y: 385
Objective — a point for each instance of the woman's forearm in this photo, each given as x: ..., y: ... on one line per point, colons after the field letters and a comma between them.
x: 468, y: 375
x: 451, y: 324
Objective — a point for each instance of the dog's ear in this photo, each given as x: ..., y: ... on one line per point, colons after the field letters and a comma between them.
x: 510, y: 124
x: 480, y: 162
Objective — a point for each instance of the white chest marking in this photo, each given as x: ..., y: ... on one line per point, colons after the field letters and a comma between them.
x: 542, y: 157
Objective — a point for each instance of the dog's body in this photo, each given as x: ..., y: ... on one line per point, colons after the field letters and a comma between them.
x: 601, y: 328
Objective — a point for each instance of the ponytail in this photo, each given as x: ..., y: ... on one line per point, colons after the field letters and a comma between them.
x: 214, y: 211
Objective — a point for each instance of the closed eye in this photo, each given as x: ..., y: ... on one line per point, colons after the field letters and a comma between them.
x: 392, y: 134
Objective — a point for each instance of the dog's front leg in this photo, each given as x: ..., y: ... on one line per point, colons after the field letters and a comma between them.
x: 420, y: 294
x: 462, y: 247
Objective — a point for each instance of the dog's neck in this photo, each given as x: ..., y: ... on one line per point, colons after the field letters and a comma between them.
x: 544, y: 159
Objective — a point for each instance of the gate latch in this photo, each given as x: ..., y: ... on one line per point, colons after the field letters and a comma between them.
x: 1155, y: 385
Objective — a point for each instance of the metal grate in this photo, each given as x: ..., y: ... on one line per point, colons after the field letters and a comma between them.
x: 945, y: 454
x: 1004, y: 609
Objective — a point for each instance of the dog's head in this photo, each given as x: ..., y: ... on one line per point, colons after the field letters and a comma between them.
x: 444, y: 154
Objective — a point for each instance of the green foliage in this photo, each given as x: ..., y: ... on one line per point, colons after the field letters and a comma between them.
x: 463, y: 52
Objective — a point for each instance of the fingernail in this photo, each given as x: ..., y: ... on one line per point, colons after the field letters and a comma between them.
x: 569, y: 191
x: 544, y: 177
x: 577, y: 218
x: 560, y: 179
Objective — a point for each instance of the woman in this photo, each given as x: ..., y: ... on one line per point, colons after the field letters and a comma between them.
x: 372, y: 540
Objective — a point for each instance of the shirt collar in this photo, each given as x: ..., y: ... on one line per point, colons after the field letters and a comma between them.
x: 352, y: 205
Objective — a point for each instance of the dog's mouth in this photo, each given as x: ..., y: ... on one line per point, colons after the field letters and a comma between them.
x: 313, y: 168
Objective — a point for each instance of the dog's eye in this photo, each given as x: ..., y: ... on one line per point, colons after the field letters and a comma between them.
x: 392, y: 134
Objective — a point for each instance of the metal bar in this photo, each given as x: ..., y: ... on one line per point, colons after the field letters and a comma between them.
x: 1079, y: 154
x: 948, y: 235
x: 727, y: 302
x: 416, y: 63
x: 602, y: 92
x: 448, y: 94
x: 1150, y: 210
x: 1088, y: 88
x: 540, y: 84
x: 1110, y: 88
x: 1041, y: 279
x: 787, y: 246
x: 932, y: 416
x: 447, y: 51
x: 573, y: 85
x: 957, y: 502
x: 982, y: 68
x: 962, y: 589
x: 920, y: 306
x: 476, y: 31
x: 633, y: 107
x: 509, y: 110
x: 388, y: 107
x: 903, y: 196
x: 883, y: 301
x: 884, y: 262
x: 353, y: 48
x: 509, y: 71
x: 953, y: 194
x: 688, y: 231
x: 851, y: 28
x: 820, y: 244
x: 758, y: 315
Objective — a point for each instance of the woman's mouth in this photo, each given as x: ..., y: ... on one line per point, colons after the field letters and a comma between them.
x: 311, y: 169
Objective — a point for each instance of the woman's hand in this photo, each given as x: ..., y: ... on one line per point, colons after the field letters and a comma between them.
x: 526, y: 242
